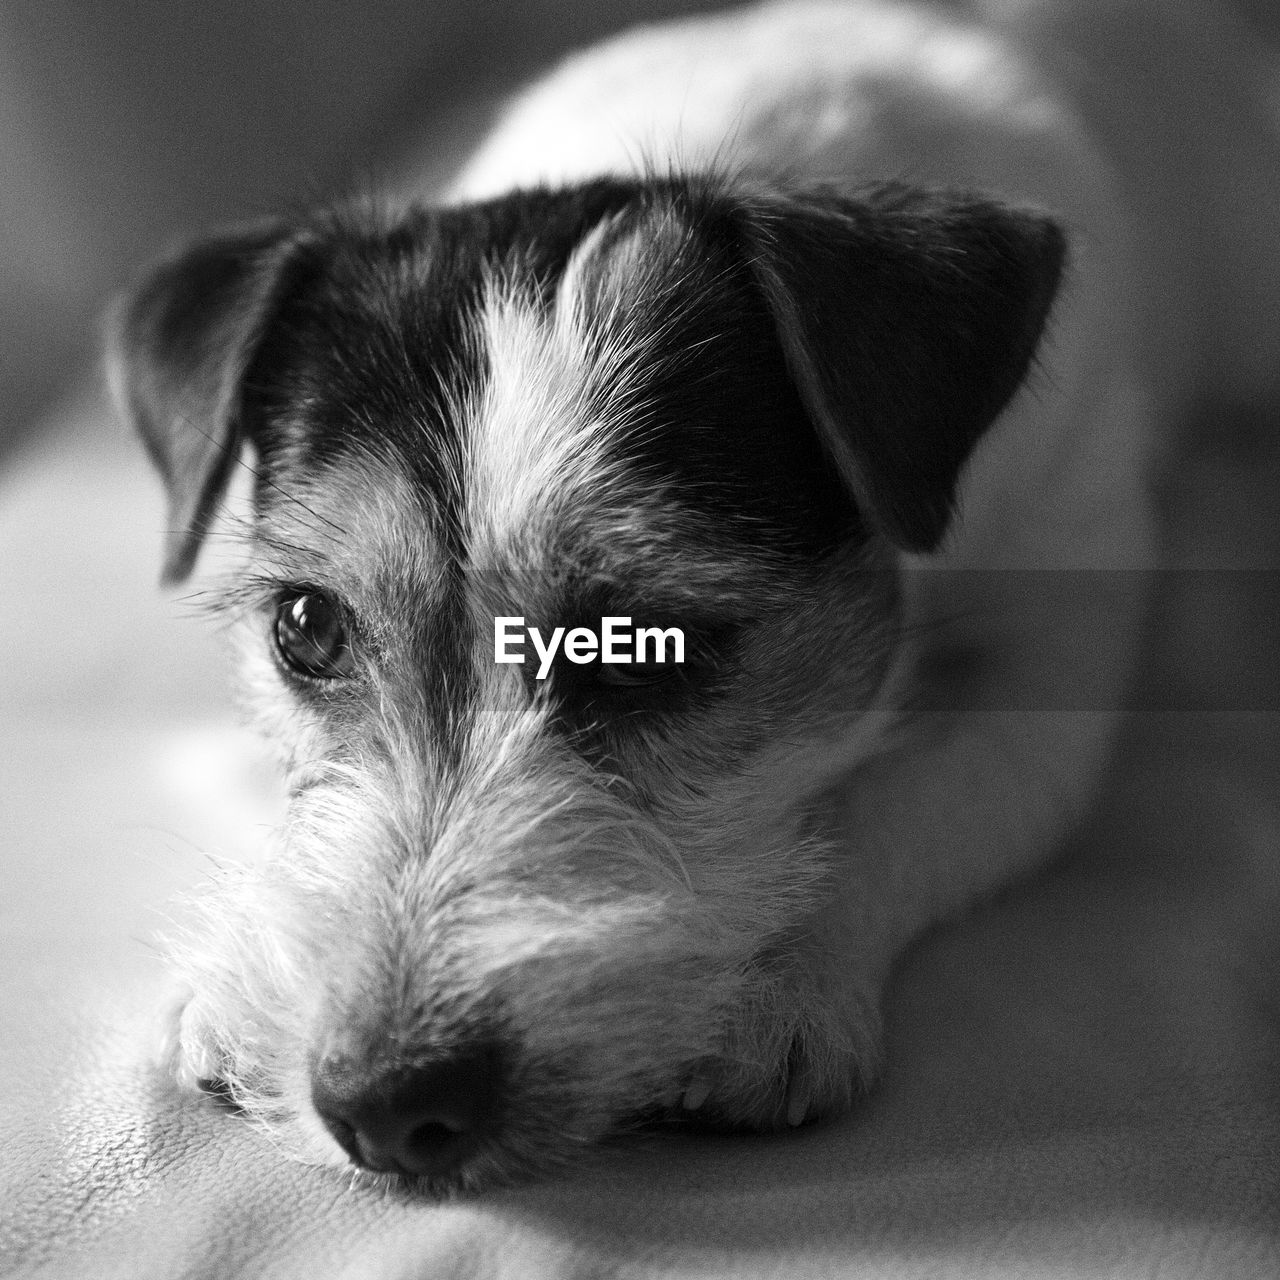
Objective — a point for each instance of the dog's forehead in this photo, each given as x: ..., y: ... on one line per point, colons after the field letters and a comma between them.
x: 651, y: 381
x: 358, y: 523
x: 592, y: 382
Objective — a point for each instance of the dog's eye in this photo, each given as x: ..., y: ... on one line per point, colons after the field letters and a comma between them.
x: 310, y: 637
x: 634, y: 675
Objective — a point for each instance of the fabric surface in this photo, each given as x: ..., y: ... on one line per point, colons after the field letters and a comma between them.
x: 1082, y: 1079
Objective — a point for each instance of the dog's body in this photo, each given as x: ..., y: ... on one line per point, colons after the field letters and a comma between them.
x: 705, y: 373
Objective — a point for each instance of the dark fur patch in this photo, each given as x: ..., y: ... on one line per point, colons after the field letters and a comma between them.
x: 376, y: 347
x: 720, y: 422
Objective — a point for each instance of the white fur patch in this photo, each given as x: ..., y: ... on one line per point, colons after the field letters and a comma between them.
x: 542, y: 460
x: 535, y: 433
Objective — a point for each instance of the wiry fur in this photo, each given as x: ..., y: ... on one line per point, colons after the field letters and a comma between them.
x: 617, y: 954
x: 626, y: 933
x: 732, y: 401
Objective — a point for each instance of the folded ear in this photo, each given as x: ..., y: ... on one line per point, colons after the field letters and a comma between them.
x: 179, y: 345
x: 908, y: 319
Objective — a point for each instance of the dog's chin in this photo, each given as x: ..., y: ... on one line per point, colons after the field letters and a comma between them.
x: 567, y: 1146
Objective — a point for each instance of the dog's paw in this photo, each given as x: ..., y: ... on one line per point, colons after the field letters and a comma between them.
x: 786, y: 1060
x: 187, y: 1048
x: 195, y: 1051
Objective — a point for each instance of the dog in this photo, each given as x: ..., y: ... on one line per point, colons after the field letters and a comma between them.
x: 842, y: 339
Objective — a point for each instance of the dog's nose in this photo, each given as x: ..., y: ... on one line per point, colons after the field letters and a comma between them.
x: 420, y: 1119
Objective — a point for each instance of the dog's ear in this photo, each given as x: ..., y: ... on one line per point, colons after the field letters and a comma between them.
x: 178, y: 347
x: 908, y: 319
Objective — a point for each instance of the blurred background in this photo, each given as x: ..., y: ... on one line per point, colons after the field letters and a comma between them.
x: 125, y: 124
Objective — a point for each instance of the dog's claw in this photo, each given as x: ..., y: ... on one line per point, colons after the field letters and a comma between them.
x: 696, y: 1093
x: 799, y: 1097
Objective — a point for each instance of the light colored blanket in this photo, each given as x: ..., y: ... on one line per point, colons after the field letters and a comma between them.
x: 1083, y: 1079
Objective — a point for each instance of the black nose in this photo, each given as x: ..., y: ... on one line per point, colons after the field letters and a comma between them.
x: 421, y: 1119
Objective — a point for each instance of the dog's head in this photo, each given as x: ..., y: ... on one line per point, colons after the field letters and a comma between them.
x: 509, y: 912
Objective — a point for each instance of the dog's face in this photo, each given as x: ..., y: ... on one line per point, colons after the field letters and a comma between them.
x: 510, y: 914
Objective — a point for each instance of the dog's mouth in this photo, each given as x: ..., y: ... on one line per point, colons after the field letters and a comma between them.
x: 461, y: 1153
